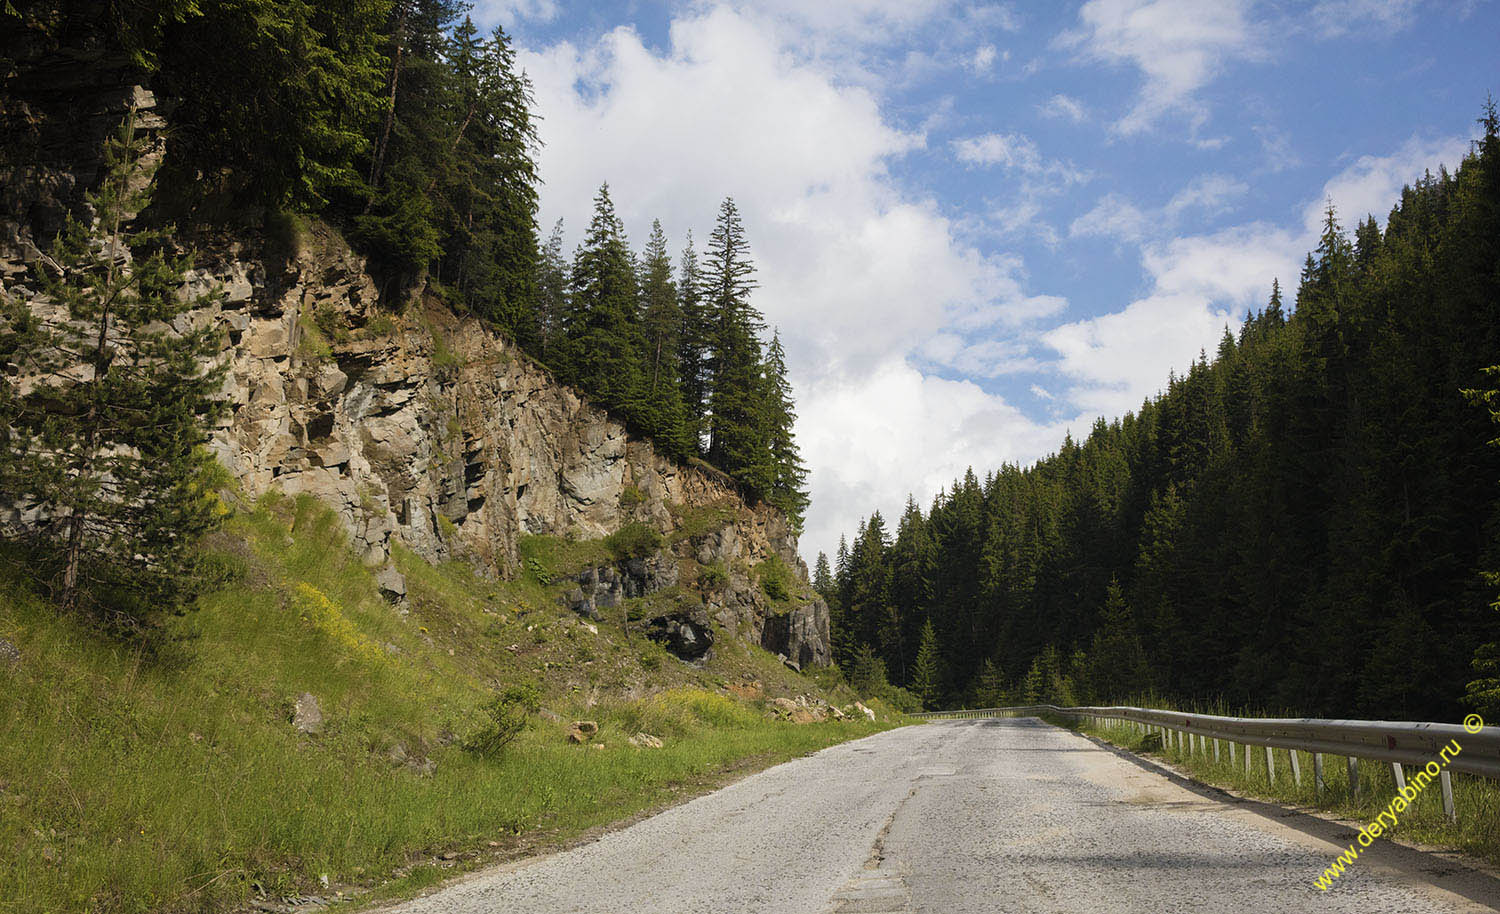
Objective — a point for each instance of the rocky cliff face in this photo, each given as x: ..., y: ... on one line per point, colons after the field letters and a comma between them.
x: 432, y: 431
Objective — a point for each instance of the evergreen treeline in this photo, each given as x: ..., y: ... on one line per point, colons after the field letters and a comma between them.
x: 401, y: 122
x: 1302, y: 522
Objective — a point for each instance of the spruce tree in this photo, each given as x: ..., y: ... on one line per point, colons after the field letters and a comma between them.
x: 822, y: 576
x: 926, y: 680
x: 603, y: 329
x: 551, y: 301
x: 789, y: 486
x: 694, y: 340
x: 739, y: 441
x: 663, y: 415
x: 1116, y: 668
x: 990, y: 691
x: 106, y: 393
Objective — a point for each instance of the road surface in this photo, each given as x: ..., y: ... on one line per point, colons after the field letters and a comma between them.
x: 968, y: 816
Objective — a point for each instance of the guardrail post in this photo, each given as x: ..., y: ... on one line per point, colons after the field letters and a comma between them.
x: 1296, y: 767
x: 1216, y: 752
x: 1353, y: 776
x: 1447, y: 781
x: 1400, y: 775
x: 1232, y: 759
x: 1248, y: 753
x: 1270, y: 764
x: 1318, y: 784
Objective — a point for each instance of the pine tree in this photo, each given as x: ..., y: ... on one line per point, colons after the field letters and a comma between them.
x: 661, y: 315
x: 822, y: 576
x: 990, y: 690
x: 789, y: 488
x: 604, y: 338
x: 926, y: 680
x: 552, y: 301
x: 738, y: 424
x: 1116, y: 668
x: 663, y: 415
x: 694, y: 340
x: 104, y: 406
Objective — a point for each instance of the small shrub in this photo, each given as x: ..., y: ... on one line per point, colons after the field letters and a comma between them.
x: 712, y: 578
x: 633, y: 541
x: 539, y: 571
x: 775, y: 578
x: 631, y: 496
x: 507, y: 714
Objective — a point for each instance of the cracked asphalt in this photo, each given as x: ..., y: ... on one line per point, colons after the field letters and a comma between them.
x: 969, y: 816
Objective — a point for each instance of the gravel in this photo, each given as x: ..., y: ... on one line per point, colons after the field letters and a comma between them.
x: 967, y: 816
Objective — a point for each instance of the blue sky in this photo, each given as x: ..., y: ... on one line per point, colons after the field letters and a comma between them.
x: 981, y: 225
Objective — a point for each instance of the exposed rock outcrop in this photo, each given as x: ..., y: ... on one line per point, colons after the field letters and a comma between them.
x: 424, y: 428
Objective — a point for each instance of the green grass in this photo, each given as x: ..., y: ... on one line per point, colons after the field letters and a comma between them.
x: 172, y: 780
x: 1476, y: 800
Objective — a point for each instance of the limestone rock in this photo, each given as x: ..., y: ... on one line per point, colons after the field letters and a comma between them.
x: 861, y: 708
x: 392, y: 584
x: 10, y: 655
x: 307, y: 717
x: 582, y: 731
x: 420, y: 428
x: 646, y: 741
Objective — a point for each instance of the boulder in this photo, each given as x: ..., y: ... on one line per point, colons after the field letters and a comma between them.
x: 10, y: 655
x: 861, y: 708
x: 582, y: 731
x: 307, y: 717
x: 645, y: 741
x: 392, y: 584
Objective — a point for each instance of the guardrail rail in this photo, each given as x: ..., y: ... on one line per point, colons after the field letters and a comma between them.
x: 1395, y: 742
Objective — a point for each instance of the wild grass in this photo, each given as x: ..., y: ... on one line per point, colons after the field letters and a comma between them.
x: 1476, y: 799
x: 172, y: 779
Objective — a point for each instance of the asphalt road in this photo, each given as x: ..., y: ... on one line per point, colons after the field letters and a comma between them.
x: 968, y: 816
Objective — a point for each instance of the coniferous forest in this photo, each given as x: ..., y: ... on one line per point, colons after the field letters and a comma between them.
x: 402, y: 124
x: 1304, y: 521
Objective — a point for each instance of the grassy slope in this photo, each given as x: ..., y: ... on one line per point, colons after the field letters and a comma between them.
x: 1476, y: 800
x: 175, y: 781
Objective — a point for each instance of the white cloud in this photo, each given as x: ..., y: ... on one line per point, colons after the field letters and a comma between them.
x: 1112, y: 217
x: 1372, y: 185
x: 1009, y: 150
x: 1065, y: 107
x: 1178, y: 45
x: 508, y: 12
x: 856, y: 272
x: 1116, y: 217
x: 984, y: 58
x: 905, y: 432
x: 1337, y: 18
x: 1019, y: 153
x: 1199, y: 283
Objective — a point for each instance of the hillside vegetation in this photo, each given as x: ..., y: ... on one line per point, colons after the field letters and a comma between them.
x: 169, y: 776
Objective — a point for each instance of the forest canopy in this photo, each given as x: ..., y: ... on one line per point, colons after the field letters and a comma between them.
x: 1306, y: 520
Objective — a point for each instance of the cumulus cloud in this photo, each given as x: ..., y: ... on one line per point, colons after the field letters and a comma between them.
x: 855, y: 271
x: 1178, y: 45
x: 881, y: 295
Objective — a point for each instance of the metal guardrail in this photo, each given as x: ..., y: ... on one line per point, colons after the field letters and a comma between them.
x: 1396, y: 742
